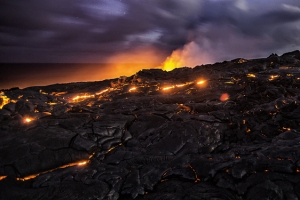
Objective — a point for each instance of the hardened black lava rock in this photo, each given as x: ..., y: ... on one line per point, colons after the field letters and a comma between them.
x: 228, y: 130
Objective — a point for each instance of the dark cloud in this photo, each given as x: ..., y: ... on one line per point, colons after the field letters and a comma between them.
x: 94, y: 30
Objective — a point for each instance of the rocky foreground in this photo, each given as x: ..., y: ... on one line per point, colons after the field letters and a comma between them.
x: 224, y: 131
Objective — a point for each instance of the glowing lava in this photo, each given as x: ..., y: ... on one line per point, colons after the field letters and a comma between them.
x: 3, y: 100
x: 200, y: 82
x: 132, y: 89
x: 80, y: 163
x: 168, y: 88
x: 251, y: 75
x: 102, y: 91
x: 27, y: 120
x: 224, y: 97
x: 82, y: 98
x: 273, y: 77
x: 173, y: 61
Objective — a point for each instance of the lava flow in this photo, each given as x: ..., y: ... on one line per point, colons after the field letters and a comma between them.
x: 80, y: 163
x: 3, y: 100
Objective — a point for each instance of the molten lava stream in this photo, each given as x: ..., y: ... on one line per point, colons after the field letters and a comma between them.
x: 80, y: 163
x: 3, y: 100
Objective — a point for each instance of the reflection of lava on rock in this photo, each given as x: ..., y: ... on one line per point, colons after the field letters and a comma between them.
x: 228, y: 130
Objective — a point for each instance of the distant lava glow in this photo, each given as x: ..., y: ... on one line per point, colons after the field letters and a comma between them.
x: 172, y: 62
x: 190, y: 55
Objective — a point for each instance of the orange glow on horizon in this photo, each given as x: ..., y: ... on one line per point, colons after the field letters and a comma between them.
x: 130, y: 62
x: 125, y: 63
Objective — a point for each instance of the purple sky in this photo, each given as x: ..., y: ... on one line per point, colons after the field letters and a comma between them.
x: 92, y: 31
x: 100, y: 31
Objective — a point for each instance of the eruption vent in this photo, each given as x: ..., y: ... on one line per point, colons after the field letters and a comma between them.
x: 190, y: 55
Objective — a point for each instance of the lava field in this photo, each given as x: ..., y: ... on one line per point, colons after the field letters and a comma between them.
x: 227, y: 130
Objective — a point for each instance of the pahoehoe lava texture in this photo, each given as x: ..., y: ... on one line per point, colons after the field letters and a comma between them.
x: 158, y: 135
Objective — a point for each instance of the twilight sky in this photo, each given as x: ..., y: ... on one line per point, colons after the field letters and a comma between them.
x: 146, y: 31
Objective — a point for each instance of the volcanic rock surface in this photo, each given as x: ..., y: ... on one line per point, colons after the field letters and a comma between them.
x: 228, y: 130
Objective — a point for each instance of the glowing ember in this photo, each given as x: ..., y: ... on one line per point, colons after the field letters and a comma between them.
x: 27, y: 120
x: 197, y: 179
x: 42, y: 92
x: 132, y: 89
x: 224, y: 97
x: 272, y: 77
x: 27, y: 177
x: 251, y: 75
x: 112, y: 148
x: 82, y: 163
x: 2, y: 177
x: 201, y: 82
x: 47, y: 113
x: 229, y: 82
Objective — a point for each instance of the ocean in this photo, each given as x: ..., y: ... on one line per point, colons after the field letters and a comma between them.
x: 39, y: 74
